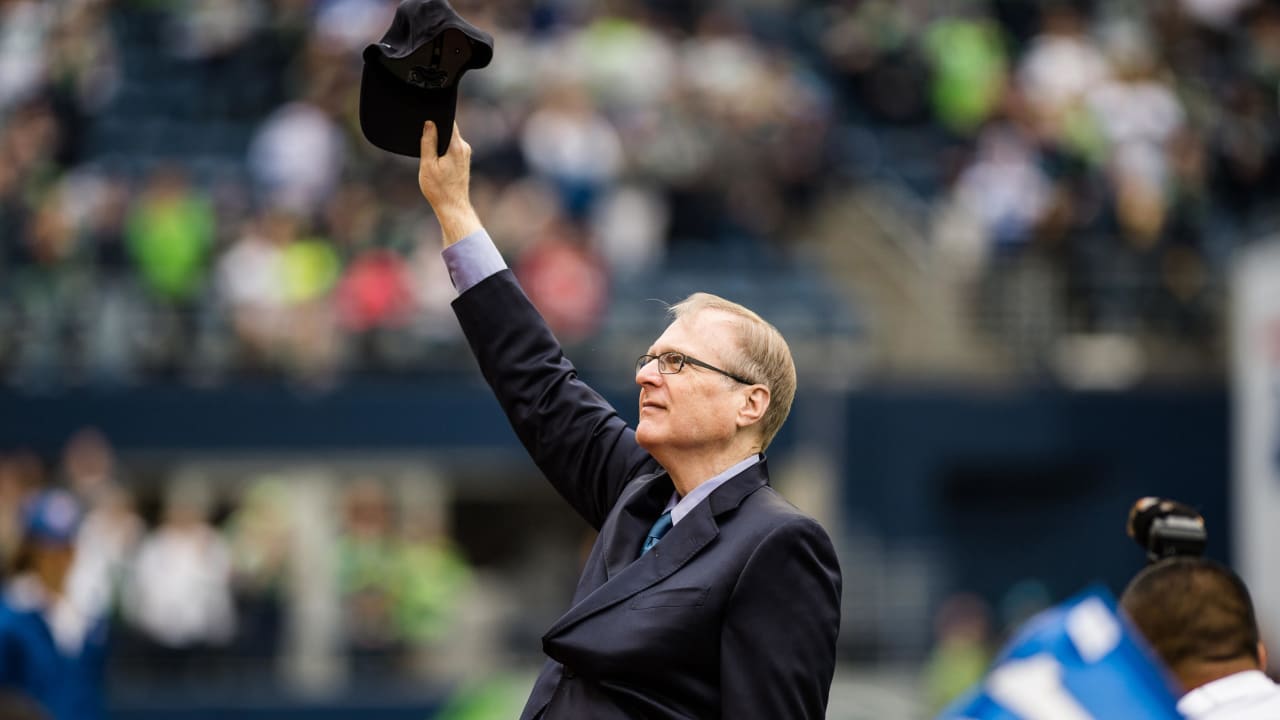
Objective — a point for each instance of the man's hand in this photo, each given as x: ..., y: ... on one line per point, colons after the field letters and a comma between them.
x: 445, y: 183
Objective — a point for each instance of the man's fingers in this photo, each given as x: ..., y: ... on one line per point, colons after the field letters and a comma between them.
x: 428, y: 148
x: 463, y: 146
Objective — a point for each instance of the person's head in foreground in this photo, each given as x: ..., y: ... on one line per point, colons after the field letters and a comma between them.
x: 1198, y: 617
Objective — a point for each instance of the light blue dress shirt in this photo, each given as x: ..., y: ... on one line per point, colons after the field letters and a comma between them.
x: 472, y: 259
x: 682, y: 506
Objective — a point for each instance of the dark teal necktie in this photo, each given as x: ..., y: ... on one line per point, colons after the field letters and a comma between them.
x: 656, y: 532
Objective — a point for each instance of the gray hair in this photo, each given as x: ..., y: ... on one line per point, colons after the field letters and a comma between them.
x: 762, y: 355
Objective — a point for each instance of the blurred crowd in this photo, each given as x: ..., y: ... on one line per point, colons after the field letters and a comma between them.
x: 204, y: 582
x: 1129, y: 147
x: 184, y: 189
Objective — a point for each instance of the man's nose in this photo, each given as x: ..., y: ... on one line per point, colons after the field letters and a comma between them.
x: 648, y: 374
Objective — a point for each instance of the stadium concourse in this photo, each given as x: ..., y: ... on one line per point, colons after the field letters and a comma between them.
x: 997, y: 235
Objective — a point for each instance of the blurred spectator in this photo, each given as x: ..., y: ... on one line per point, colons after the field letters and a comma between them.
x: 179, y: 589
x: 250, y: 278
x: 1061, y: 65
x: 1135, y: 106
x: 46, y: 293
x: 631, y: 227
x: 1005, y: 189
x: 431, y: 579
x: 969, y: 70
x: 961, y: 652
x: 277, y: 282
x: 113, y: 317
x: 296, y: 157
x: 403, y: 585
x: 55, y: 651
x: 170, y: 235
x: 568, y: 141
x: 309, y: 269
x: 111, y: 528
x: 24, y: 24
x: 367, y: 577
x: 566, y: 281
x: 258, y: 532
x: 375, y: 292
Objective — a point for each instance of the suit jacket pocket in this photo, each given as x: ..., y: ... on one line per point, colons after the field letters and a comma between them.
x: 671, y: 597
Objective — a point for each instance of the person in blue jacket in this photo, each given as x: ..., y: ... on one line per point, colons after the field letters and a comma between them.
x: 51, y: 652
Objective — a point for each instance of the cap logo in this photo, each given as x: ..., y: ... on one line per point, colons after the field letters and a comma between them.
x: 428, y: 78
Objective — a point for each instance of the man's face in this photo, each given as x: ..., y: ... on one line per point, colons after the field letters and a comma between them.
x: 51, y: 563
x: 694, y: 408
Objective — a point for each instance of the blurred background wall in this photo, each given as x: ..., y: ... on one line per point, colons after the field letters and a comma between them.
x: 998, y: 234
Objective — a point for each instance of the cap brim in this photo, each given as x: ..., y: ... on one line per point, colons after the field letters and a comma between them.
x: 481, y: 44
x: 392, y: 112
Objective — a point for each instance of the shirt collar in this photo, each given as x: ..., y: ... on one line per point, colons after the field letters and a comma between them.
x: 682, y: 506
x: 1225, y: 690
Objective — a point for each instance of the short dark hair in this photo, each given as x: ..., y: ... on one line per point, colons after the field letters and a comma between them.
x: 1192, y: 609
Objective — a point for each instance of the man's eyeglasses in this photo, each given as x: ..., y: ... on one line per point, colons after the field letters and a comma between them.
x: 670, y: 363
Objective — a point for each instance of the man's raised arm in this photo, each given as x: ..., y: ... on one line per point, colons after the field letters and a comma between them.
x: 445, y: 182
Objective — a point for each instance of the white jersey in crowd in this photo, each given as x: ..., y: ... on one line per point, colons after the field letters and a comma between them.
x: 1248, y: 695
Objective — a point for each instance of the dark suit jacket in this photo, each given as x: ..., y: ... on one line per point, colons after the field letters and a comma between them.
x: 733, y: 614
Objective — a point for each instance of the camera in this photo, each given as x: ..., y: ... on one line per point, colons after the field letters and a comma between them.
x: 1167, y: 528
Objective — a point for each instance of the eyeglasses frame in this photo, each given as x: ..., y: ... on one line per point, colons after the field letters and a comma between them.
x: 686, y: 359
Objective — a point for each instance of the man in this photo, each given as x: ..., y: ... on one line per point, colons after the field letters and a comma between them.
x: 705, y: 595
x: 51, y: 651
x: 1198, y: 617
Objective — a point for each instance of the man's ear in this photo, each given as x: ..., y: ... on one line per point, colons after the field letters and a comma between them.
x: 754, y: 404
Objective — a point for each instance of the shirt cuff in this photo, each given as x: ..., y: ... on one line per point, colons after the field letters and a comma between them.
x: 472, y: 259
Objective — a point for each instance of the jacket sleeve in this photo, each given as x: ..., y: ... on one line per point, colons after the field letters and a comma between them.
x: 778, y: 643
x: 573, y: 435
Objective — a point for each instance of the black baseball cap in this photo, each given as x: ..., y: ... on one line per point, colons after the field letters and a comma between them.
x: 412, y: 75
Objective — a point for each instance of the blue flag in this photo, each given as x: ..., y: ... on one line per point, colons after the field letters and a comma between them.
x: 1079, y: 660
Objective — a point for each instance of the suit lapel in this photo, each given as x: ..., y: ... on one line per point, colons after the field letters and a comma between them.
x: 639, y: 510
x: 677, y: 548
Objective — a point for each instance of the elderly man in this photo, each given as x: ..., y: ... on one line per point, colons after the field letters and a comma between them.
x: 706, y: 594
